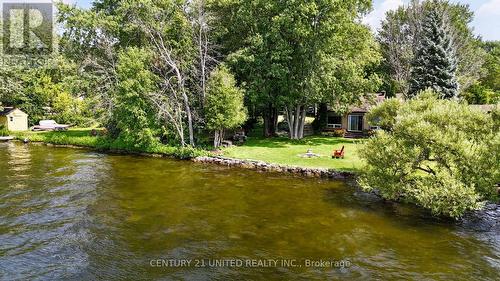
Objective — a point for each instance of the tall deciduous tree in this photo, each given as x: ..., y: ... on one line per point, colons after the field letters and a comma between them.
x: 487, y: 89
x: 177, y: 31
x: 224, y: 104
x: 435, y: 63
x: 292, y: 54
x: 396, y: 38
x: 133, y: 114
x: 169, y: 33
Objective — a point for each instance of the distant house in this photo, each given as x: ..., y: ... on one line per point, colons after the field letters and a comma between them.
x: 14, y: 119
x: 354, y: 121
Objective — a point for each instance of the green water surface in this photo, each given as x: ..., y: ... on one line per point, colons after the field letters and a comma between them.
x: 70, y: 214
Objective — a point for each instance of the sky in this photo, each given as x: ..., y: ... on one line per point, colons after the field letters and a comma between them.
x: 486, y: 23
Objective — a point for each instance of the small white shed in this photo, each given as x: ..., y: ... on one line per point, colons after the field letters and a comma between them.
x: 14, y: 119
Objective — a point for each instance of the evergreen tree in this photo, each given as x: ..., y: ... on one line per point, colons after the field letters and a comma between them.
x: 435, y: 63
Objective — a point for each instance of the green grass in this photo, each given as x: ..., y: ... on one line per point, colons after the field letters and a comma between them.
x: 83, y: 138
x: 77, y: 137
x: 4, y: 132
x: 276, y: 150
x: 288, y: 152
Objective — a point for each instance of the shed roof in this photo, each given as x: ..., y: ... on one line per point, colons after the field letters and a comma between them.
x: 7, y: 110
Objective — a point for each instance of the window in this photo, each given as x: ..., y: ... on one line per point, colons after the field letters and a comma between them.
x: 11, y: 119
x: 355, y: 123
x: 334, y: 121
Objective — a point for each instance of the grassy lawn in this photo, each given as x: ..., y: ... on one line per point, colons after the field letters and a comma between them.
x: 82, y: 137
x: 276, y: 150
x: 78, y: 137
x: 288, y: 152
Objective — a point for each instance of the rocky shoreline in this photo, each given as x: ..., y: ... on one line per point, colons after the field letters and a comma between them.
x: 236, y: 163
x: 283, y: 169
x: 486, y: 220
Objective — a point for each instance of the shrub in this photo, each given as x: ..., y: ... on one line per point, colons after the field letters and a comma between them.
x: 338, y: 133
x: 283, y: 126
x: 440, y: 154
x: 134, y: 119
x: 369, y: 133
x: 384, y: 115
x: 3, y: 131
x: 224, y: 107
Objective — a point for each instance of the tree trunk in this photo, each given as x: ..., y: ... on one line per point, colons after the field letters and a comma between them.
x: 270, y: 116
x: 296, y: 121
x: 289, y: 121
x: 202, y: 49
x: 302, y: 122
x: 216, y: 140
x: 321, y: 119
x: 190, y: 119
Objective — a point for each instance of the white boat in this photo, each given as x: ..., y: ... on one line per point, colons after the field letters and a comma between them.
x: 50, y: 125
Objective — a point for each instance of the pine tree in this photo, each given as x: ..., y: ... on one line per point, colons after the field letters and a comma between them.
x: 435, y: 63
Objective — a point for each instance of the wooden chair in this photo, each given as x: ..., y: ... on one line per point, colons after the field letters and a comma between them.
x: 338, y: 153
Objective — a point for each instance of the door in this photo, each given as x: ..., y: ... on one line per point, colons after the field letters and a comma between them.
x: 355, y: 123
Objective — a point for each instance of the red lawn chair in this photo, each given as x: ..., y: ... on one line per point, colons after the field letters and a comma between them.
x: 338, y: 153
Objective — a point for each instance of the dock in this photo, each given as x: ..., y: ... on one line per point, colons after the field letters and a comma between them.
x: 4, y: 139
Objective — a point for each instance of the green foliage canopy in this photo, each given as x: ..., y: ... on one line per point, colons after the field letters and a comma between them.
x: 487, y: 89
x: 401, y: 33
x: 133, y: 115
x: 224, y: 108
x: 439, y: 154
x: 296, y: 53
x: 47, y: 91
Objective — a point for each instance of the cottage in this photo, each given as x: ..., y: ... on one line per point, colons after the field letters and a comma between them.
x: 14, y: 119
x: 354, y: 121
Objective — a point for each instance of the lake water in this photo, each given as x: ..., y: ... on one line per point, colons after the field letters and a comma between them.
x: 69, y: 214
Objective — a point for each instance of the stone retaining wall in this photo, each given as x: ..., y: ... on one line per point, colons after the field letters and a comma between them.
x: 231, y: 162
x: 266, y: 167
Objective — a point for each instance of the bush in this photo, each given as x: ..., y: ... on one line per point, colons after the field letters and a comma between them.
x: 479, y: 94
x: 283, y: 126
x: 134, y: 119
x: 439, y: 154
x: 384, y: 115
x: 3, y: 131
x: 338, y: 133
x: 369, y: 133
x: 224, y: 106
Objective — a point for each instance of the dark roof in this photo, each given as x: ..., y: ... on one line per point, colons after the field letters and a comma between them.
x: 368, y: 102
x: 363, y: 106
x: 6, y: 110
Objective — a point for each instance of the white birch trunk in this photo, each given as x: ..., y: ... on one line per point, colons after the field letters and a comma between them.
x: 302, y: 123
